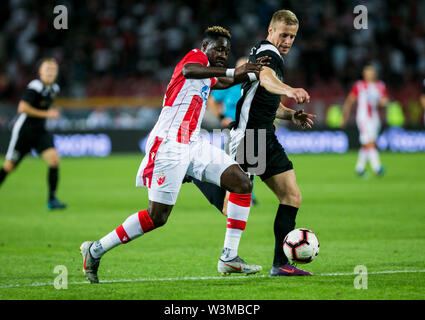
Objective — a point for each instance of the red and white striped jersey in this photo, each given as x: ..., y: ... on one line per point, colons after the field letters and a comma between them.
x: 368, y: 95
x: 184, y: 103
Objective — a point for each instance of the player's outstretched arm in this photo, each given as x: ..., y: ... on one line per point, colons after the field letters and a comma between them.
x: 25, y: 107
x: 346, y: 109
x: 225, y: 77
x: 383, y: 102
x: 246, y: 72
x: 272, y: 84
x: 299, y: 118
x: 422, y: 100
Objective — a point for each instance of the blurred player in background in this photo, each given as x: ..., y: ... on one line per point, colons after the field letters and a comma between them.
x: 29, y: 131
x: 370, y: 93
x: 422, y: 98
x: 174, y: 150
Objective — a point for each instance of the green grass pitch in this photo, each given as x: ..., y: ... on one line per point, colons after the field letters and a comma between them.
x: 375, y: 222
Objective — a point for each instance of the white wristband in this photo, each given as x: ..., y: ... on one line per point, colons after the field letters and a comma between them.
x: 252, y: 77
x: 230, y: 73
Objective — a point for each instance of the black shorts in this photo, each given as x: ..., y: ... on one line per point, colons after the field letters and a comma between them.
x: 27, y: 138
x: 271, y: 156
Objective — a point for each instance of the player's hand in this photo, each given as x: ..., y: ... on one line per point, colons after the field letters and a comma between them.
x: 265, y: 60
x: 53, y: 113
x: 225, y: 122
x: 299, y: 94
x: 251, y: 67
x: 302, y: 119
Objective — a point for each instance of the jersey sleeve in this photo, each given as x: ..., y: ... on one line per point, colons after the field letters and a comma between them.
x: 213, y: 81
x: 275, y: 61
x: 355, y: 89
x: 196, y: 56
x: 30, y: 96
x: 33, y: 89
x: 383, y: 90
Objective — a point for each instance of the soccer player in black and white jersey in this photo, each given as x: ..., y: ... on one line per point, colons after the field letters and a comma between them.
x: 257, y: 109
x: 29, y: 131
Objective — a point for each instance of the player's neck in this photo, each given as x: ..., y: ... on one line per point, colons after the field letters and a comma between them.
x: 48, y: 85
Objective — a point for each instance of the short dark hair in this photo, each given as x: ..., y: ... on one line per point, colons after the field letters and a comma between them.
x: 46, y: 59
x: 215, y: 32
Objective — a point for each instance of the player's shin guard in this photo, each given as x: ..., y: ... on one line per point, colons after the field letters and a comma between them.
x: 238, y: 208
x: 283, y: 224
x: 134, y: 226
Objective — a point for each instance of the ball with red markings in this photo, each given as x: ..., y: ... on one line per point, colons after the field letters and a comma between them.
x: 301, y: 245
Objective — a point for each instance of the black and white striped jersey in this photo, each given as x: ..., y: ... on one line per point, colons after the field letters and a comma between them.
x: 257, y: 107
x: 39, y: 96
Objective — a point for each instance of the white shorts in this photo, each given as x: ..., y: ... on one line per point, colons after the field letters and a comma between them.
x: 368, y: 130
x: 167, y: 162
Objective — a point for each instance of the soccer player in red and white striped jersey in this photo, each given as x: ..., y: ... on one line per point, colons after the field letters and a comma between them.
x: 370, y: 93
x: 174, y: 149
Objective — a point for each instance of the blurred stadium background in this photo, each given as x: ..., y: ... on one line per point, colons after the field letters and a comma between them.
x: 116, y: 58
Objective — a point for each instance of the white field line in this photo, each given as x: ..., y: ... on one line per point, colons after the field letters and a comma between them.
x: 38, y: 284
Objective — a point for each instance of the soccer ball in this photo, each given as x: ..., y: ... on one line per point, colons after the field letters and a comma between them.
x: 301, y: 245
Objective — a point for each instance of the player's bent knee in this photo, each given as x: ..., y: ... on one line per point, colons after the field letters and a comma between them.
x: 243, y: 186
x: 247, y: 186
x: 9, y: 166
x: 54, y: 162
x: 293, y: 199
x: 160, y: 215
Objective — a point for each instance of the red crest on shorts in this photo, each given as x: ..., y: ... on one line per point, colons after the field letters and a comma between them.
x: 160, y: 180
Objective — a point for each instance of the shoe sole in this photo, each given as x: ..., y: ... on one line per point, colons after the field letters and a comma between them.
x: 55, y: 208
x: 226, y: 274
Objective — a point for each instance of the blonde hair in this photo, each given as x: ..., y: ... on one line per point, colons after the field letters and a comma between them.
x: 286, y: 16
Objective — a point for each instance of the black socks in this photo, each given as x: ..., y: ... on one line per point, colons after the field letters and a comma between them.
x: 53, y: 182
x: 283, y: 224
x: 3, y: 175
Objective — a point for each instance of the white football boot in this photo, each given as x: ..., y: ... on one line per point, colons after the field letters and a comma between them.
x: 90, y: 264
x: 237, y: 265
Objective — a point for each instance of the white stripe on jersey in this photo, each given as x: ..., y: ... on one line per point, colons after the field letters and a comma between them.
x: 36, y: 85
x: 15, y: 135
x: 265, y: 47
x: 237, y: 135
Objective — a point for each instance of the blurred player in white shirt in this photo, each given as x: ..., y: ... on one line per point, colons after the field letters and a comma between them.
x: 370, y: 93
